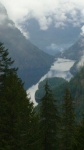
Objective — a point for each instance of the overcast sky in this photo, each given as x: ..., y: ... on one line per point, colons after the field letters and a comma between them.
x: 46, y: 11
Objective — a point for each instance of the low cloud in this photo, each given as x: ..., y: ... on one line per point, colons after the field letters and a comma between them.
x: 45, y: 23
x: 53, y: 46
x: 2, y: 19
x: 82, y: 31
x: 23, y: 31
x: 46, y: 12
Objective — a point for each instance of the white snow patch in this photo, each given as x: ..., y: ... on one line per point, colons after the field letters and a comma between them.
x: 60, y: 68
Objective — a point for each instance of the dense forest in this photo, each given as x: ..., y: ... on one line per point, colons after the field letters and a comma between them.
x: 52, y: 125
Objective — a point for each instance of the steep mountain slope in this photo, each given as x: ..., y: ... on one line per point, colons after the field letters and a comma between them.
x: 77, y: 89
x: 58, y: 85
x: 52, y: 39
x: 76, y: 53
x: 68, y: 62
x: 31, y: 61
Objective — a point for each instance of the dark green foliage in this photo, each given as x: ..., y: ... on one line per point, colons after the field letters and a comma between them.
x: 19, y: 128
x: 80, y: 136
x: 49, y: 120
x: 77, y: 90
x: 76, y: 85
x: 68, y: 129
x: 57, y: 86
x: 71, y: 133
x: 5, y: 63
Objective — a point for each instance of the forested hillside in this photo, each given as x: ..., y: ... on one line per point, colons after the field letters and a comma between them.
x: 58, y: 86
x: 18, y: 121
x: 59, y: 121
x: 68, y: 99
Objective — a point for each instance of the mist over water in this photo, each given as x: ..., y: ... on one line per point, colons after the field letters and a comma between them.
x: 60, y: 68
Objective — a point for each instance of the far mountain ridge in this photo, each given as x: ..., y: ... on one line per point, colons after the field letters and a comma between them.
x: 76, y: 50
x: 32, y: 62
x: 76, y: 53
x: 53, y: 39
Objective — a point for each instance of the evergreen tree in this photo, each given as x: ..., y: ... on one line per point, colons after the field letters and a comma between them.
x: 18, y: 121
x: 5, y: 62
x: 49, y: 120
x: 68, y: 128
x: 80, y: 136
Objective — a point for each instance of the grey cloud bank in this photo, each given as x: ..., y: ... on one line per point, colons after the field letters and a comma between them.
x: 46, y: 11
x: 54, y: 20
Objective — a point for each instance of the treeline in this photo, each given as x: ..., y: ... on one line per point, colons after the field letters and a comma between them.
x: 22, y: 128
x: 18, y: 121
x: 59, y: 125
